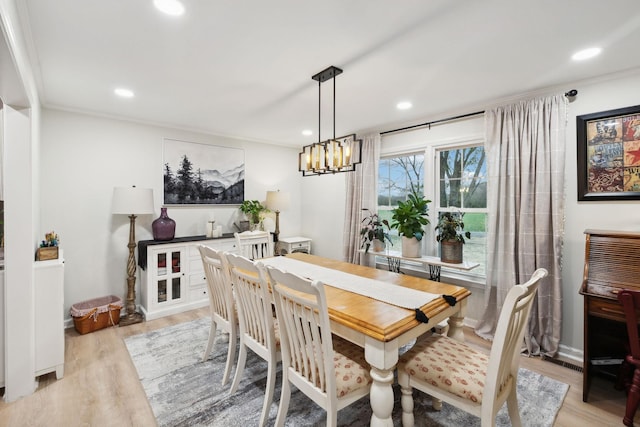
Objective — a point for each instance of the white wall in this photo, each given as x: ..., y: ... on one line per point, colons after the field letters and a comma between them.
x: 84, y: 157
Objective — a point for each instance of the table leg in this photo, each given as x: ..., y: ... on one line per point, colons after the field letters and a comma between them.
x: 456, y: 322
x: 381, y: 397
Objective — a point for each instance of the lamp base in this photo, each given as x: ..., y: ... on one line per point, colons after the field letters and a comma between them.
x: 130, y: 319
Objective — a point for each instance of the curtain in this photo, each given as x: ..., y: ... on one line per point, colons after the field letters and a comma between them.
x: 525, y: 145
x: 361, y: 193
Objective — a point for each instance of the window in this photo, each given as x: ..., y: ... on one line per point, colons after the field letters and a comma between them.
x: 462, y: 187
x: 397, y: 177
x: 455, y: 179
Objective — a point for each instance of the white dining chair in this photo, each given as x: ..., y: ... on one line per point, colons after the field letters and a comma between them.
x: 329, y: 370
x: 221, y: 304
x: 259, y: 330
x: 254, y: 244
x: 451, y: 371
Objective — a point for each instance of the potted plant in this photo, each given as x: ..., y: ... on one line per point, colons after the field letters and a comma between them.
x: 409, y: 218
x: 451, y: 235
x: 253, y: 210
x: 373, y: 233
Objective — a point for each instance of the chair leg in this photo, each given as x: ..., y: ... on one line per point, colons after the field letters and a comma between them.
x: 285, y: 396
x: 436, y: 403
x: 406, y: 400
x: 242, y: 360
x: 268, y: 393
x: 512, y: 407
x: 212, y: 337
x: 231, y: 355
x: 624, y: 376
x: 632, y: 399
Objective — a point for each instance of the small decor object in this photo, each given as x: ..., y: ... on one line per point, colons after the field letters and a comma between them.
x: 164, y: 228
x: 253, y: 209
x: 609, y: 155
x: 451, y: 235
x: 48, y: 248
x: 373, y: 233
x: 409, y: 218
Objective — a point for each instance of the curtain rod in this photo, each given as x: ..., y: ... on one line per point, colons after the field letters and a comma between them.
x: 570, y: 94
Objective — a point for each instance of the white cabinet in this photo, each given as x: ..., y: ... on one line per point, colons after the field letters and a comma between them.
x: 173, y: 279
x: 49, y: 316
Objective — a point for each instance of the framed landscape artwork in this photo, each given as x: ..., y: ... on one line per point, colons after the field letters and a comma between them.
x: 609, y: 155
x: 202, y: 174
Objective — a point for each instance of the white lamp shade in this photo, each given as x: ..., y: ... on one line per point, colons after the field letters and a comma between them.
x: 132, y: 201
x: 278, y: 200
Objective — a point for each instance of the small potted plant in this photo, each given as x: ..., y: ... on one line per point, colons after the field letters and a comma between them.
x: 451, y: 235
x: 253, y: 209
x: 409, y: 218
x: 373, y: 233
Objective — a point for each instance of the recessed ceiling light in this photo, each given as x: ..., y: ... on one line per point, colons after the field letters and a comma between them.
x: 307, y: 132
x: 404, y: 105
x: 586, y: 54
x: 170, y: 7
x: 124, y: 93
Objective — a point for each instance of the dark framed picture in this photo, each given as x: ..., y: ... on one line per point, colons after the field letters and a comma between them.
x: 202, y: 174
x: 609, y: 155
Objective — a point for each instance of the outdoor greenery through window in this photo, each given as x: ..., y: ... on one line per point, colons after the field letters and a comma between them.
x: 455, y: 179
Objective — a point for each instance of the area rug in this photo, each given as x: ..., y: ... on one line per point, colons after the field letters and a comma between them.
x: 184, y: 391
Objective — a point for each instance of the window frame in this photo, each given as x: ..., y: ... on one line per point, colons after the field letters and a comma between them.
x: 431, y: 188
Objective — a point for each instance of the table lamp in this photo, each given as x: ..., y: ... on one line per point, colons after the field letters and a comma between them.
x: 277, y: 201
x: 132, y: 201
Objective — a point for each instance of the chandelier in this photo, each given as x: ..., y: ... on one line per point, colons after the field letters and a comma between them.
x: 333, y: 155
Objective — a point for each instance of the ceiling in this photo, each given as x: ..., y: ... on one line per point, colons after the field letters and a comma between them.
x: 243, y: 68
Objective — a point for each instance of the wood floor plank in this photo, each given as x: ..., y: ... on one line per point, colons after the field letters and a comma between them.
x: 100, y: 385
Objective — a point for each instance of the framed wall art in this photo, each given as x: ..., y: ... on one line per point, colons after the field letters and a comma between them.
x: 609, y: 155
x: 202, y: 174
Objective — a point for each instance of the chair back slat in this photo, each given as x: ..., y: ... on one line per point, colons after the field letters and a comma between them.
x: 254, y: 244
x: 508, y: 339
x: 630, y: 300
x: 253, y: 300
x: 218, y: 283
x: 302, y: 312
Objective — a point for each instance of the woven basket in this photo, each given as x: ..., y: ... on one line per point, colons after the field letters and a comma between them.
x: 96, y: 314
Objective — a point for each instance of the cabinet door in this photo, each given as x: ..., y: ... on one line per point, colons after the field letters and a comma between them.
x: 169, y: 276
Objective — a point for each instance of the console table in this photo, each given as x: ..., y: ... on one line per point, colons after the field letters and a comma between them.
x: 433, y: 263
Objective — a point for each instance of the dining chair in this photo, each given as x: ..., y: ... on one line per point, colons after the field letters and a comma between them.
x: 630, y: 300
x: 254, y: 244
x: 221, y: 304
x: 259, y: 330
x: 329, y: 370
x: 451, y: 371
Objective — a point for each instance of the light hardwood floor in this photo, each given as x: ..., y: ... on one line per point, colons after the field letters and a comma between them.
x: 100, y: 386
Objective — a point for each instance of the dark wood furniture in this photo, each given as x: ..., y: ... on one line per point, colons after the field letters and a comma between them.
x: 630, y: 301
x: 611, y: 263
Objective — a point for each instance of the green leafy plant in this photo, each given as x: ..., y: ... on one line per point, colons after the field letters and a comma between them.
x: 450, y: 228
x: 410, y: 217
x: 253, y: 209
x: 373, y: 228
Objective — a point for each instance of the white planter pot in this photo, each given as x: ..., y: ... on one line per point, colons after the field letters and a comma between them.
x: 377, y: 245
x: 411, y: 247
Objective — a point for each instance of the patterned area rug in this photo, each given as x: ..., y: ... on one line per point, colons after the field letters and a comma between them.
x: 183, y: 391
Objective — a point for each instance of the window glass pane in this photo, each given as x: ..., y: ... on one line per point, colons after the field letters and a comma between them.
x: 399, y: 176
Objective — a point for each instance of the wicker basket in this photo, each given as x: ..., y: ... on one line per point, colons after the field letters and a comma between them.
x: 96, y: 314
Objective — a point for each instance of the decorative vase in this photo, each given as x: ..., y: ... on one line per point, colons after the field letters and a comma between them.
x: 164, y: 228
x: 410, y: 247
x: 377, y: 245
x: 451, y: 252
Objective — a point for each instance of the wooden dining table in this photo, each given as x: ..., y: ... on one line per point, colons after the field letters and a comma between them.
x: 382, y: 328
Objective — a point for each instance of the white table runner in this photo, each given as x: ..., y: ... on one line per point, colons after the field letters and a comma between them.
x: 381, y: 291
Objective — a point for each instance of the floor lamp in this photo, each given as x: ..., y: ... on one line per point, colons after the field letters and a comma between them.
x: 132, y: 201
x: 277, y: 201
